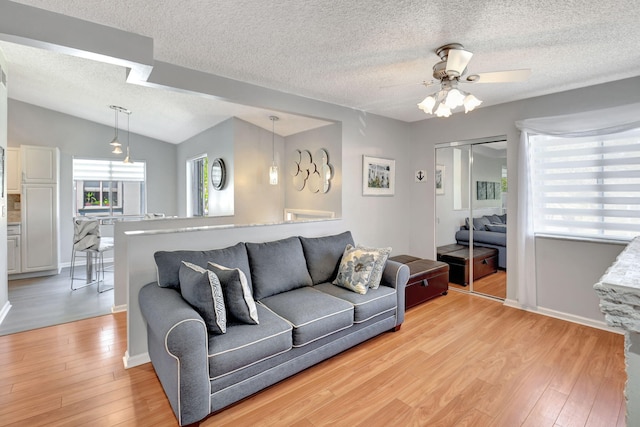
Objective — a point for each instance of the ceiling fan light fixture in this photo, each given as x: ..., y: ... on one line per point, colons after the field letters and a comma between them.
x: 470, y: 103
x: 454, y: 98
x: 443, y: 111
x: 427, y: 104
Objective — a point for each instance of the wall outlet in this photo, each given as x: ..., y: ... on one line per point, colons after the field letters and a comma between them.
x: 16, y: 206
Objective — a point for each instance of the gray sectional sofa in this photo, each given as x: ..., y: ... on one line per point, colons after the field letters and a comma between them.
x: 301, y: 319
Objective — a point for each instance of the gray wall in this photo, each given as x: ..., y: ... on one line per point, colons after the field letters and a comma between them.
x: 215, y: 142
x: 328, y: 138
x: 32, y: 125
x: 499, y: 120
x: 4, y: 288
x: 257, y: 202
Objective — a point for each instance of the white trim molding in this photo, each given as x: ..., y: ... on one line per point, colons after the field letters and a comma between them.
x: 118, y: 308
x: 4, y: 311
x: 131, y: 362
x: 564, y: 316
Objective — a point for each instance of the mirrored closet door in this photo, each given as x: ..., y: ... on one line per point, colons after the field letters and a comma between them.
x: 471, y: 230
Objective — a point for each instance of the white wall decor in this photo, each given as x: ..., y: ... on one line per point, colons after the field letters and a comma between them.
x: 315, y: 172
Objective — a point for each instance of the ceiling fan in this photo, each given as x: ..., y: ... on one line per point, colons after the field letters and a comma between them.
x: 452, y: 70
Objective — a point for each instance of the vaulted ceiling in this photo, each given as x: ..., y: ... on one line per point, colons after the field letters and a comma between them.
x: 367, y: 55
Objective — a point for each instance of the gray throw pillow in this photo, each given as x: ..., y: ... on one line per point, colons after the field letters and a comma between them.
x: 237, y: 294
x: 480, y: 223
x: 201, y: 289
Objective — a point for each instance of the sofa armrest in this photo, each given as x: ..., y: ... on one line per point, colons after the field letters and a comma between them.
x: 396, y: 275
x: 178, y: 347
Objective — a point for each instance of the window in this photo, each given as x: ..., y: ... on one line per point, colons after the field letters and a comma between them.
x: 108, y: 188
x: 198, y: 186
x: 588, y: 186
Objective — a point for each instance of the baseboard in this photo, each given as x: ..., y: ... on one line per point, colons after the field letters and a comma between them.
x: 82, y: 262
x: 5, y: 311
x: 119, y: 308
x: 564, y: 316
x: 131, y: 362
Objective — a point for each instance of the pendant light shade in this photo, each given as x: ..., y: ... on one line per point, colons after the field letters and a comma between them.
x: 115, y: 142
x: 273, y: 170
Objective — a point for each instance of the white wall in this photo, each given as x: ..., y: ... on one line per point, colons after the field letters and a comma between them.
x: 32, y: 125
x: 499, y: 120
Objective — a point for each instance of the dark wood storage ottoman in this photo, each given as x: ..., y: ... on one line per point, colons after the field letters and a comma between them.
x: 427, y: 279
x: 485, y: 262
x: 442, y: 250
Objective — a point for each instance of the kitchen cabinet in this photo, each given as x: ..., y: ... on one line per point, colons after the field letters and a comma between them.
x: 13, y: 249
x: 39, y: 227
x: 14, y: 170
x: 39, y: 164
x: 34, y: 249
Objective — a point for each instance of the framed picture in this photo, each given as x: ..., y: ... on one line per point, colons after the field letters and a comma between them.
x: 378, y: 176
x: 497, y: 190
x: 490, y: 194
x: 439, y: 179
x: 481, y: 190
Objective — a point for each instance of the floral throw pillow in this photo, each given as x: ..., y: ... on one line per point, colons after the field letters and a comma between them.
x: 355, y: 269
x: 380, y: 258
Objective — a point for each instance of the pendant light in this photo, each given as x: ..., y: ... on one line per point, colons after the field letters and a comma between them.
x: 114, y: 142
x: 273, y: 170
x: 128, y: 159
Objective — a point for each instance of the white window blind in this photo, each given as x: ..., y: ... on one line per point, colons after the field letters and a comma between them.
x: 586, y: 187
x: 106, y: 170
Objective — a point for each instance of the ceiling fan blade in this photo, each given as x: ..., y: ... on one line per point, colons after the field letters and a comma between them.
x: 404, y: 84
x: 500, y: 76
x: 457, y: 60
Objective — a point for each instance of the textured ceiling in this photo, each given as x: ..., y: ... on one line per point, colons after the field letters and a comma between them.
x: 368, y: 55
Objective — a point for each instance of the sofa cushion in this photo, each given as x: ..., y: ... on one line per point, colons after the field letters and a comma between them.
x: 313, y: 314
x: 168, y: 262
x: 376, y: 301
x: 323, y: 255
x: 355, y: 269
x: 237, y: 294
x: 244, y: 345
x: 277, y: 266
x: 201, y: 289
x: 499, y: 228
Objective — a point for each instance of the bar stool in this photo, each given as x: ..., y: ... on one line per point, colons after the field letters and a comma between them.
x: 87, y: 240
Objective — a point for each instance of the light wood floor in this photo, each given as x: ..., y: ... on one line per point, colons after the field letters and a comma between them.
x: 494, y: 285
x: 459, y: 360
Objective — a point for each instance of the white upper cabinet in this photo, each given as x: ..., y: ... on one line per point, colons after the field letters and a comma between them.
x: 14, y: 170
x: 39, y: 164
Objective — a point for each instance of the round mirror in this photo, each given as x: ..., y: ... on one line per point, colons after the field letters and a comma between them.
x: 218, y: 174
